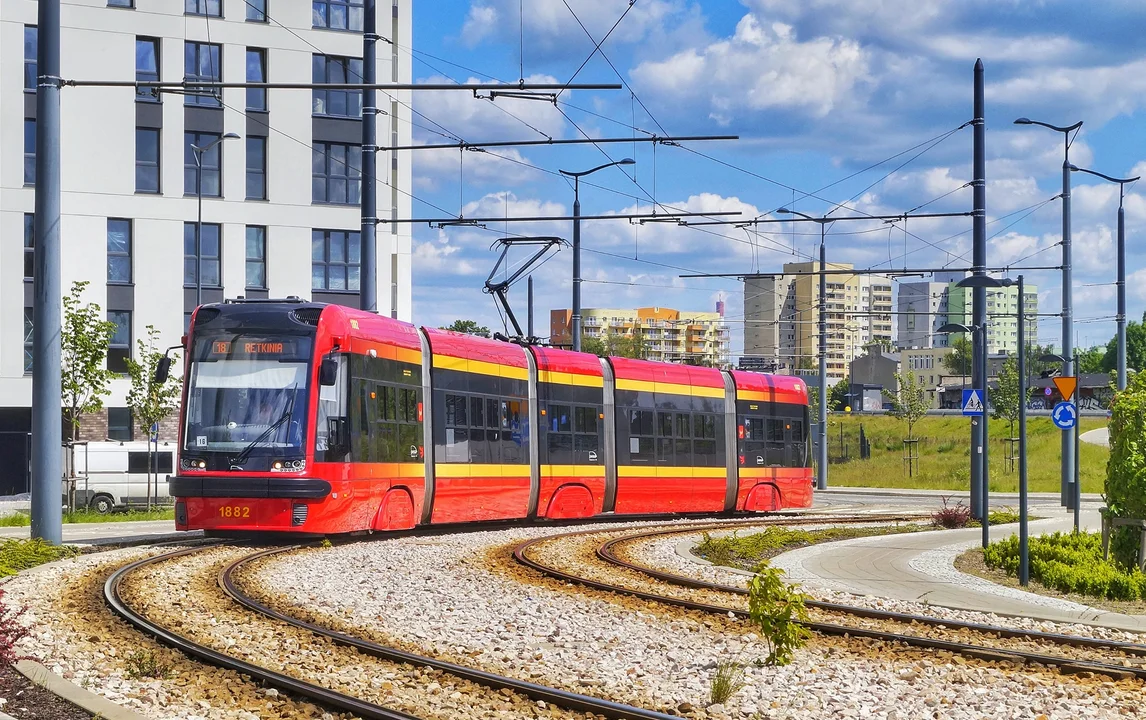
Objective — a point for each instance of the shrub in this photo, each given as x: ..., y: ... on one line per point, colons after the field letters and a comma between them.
x: 145, y: 664
x: 17, y: 555
x: 726, y: 681
x: 779, y: 610
x: 1003, y: 517
x: 1126, y: 468
x: 1070, y: 563
x: 951, y: 517
x: 11, y: 631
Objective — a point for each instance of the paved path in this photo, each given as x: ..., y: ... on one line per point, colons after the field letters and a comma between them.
x: 111, y: 533
x: 1098, y: 436
x: 917, y: 567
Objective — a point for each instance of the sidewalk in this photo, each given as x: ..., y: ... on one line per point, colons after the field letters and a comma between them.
x: 111, y: 533
x: 918, y: 567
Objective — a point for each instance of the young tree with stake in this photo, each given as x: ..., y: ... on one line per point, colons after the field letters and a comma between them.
x: 150, y: 402
x: 85, y: 336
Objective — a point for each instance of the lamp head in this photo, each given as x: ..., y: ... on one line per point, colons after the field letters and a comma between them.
x: 1049, y: 358
x: 784, y: 211
x: 627, y: 161
x: 949, y: 328
x: 231, y: 136
x: 1024, y: 121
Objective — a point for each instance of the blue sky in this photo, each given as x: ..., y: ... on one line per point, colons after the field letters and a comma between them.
x: 819, y: 91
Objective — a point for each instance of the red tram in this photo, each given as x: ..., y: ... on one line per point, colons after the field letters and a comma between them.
x: 320, y: 419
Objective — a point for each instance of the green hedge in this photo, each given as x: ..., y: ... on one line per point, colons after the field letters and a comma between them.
x: 17, y: 555
x: 1070, y: 563
x: 1126, y: 469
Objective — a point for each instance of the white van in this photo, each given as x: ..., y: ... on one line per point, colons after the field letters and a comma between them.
x: 111, y: 474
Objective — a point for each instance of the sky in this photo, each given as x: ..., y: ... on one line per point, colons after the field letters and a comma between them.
x: 840, y: 106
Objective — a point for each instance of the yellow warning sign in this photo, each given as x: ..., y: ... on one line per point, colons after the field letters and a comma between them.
x: 1066, y: 386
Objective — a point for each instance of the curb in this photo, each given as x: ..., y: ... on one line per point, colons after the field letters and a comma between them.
x: 76, y: 695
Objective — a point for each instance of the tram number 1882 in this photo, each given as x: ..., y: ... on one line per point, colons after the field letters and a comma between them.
x: 234, y: 511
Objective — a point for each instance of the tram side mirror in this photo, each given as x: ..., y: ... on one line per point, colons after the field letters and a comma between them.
x: 328, y: 371
x: 162, y: 370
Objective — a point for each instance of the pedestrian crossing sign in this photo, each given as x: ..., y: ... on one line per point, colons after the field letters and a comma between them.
x: 972, y: 402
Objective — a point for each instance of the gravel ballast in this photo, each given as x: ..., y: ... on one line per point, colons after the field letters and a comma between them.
x: 440, y: 595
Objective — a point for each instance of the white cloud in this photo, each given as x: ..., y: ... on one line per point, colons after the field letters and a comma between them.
x: 549, y: 25
x: 503, y: 167
x: 761, y: 66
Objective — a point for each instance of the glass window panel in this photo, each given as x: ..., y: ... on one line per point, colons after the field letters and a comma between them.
x: 146, y: 61
x: 256, y: 243
x: 257, y: 10
x: 335, y: 70
x: 118, y: 237
x: 337, y: 247
x: 354, y: 240
x: 209, y: 243
x: 337, y: 102
x: 477, y: 412
x: 210, y: 272
x: 353, y: 281
x: 336, y: 275
x: 338, y: 17
x: 317, y: 246
x: 318, y: 14
x: 318, y: 159
x: 256, y: 274
x: 336, y: 190
x: 318, y: 189
x: 356, y: 19
x: 119, y: 269
x: 318, y: 277
x: 146, y: 145
x: 211, y: 186
x: 122, y: 335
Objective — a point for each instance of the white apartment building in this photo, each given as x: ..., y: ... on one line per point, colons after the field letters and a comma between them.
x: 922, y: 308
x: 782, y: 315
x: 281, y: 209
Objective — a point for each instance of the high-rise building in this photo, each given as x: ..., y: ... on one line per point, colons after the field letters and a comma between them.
x: 669, y: 335
x: 281, y: 211
x: 782, y: 317
x: 1002, y: 315
x: 922, y: 308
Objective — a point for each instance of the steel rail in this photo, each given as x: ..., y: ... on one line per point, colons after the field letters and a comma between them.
x: 520, y: 554
x: 554, y: 696
x: 326, y: 697
x: 606, y: 553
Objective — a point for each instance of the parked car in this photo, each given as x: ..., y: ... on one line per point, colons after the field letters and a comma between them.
x: 111, y: 474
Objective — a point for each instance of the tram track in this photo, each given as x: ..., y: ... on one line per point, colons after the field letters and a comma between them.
x: 433, y: 677
x: 598, y: 564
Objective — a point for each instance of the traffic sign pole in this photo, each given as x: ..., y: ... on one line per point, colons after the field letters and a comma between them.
x: 1077, y: 476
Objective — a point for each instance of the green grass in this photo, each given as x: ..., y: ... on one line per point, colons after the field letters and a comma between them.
x: 747, y: 551
x: 1070, y: 563
x: 22, y: 519
x: 944, y: 450
x: 17, y: 555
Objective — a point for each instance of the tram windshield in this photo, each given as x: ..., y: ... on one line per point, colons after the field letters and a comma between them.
x: 247, y: 393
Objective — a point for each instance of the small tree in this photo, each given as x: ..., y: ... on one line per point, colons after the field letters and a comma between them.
x: 85, y: 335
x: 909, y: 403
x: 838, y: 395
x: 593, y: 345
x: 468, y: 327
x: 1126, y: 469
x: 1005, y: 398
x: 780, y: 611
x: 813, y: 404
x: 150, y: 402
x: 958, y: 362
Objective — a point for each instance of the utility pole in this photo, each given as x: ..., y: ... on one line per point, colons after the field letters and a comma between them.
x: 979, y: 298
x: 529, y: 311
x: 47, y: 456
x: 368, y: 281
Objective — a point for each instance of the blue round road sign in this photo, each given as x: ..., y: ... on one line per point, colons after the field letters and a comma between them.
x: 1048, y: 392
x: 1064, y: 415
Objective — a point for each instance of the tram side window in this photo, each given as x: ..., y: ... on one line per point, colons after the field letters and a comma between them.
x: 559, y: 435
x: 642, y: 439
x: 331, y: 441
x: 587, y: 434
x: 514, y: 436
x: 706, y: 451
x: 483, y: 436
x: 753, y: 446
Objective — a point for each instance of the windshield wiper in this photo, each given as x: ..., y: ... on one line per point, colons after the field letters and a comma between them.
x: 245, y: 454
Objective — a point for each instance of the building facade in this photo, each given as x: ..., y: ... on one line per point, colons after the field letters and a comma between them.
x: 926, y: 364
x: 922, y: 310
x: 280, y: 207
x: 669, y: 335
x: 782, y: 317
x: 1002, y: 315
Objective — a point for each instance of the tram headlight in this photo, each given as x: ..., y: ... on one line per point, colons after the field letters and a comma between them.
x: 288, y: 465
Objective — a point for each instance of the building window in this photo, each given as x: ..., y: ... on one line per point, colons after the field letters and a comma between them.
x: 27, y: 341
x: 201, y: 62
x: 119, y: 350
x: 338, y: 14
x: 335, y: 258
x: 256, y: 257
x: 256, y: 72
x: 31, y: 47
x: 332, y: 69
x: 29, y: 246
x: 146, y: 160
x: 336, y: 175
x: 119, y: 425
x: 29, y: 152
x: 209, y: 249
x: 214, y: 8
x: 256, y: 167
x: 118, y: 251
x: 256, y: 10
x: 212, y: 163
x: 121, y: 3
x: 147, y: 67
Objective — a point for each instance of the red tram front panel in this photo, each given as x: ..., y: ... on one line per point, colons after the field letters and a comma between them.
x: 671, y: 453
x: 571, y: 433
x: 481, y: 429
x: 773, y: 453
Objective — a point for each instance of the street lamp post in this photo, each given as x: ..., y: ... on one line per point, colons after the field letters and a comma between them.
x: 199, y: 152
x: 978, y: 454
x: 1076, y: 479
x: 1069, y: 448
x: 822, y: 463
x: 1024, y: 538
x: 575, y: 321
x: 1121, y: 319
